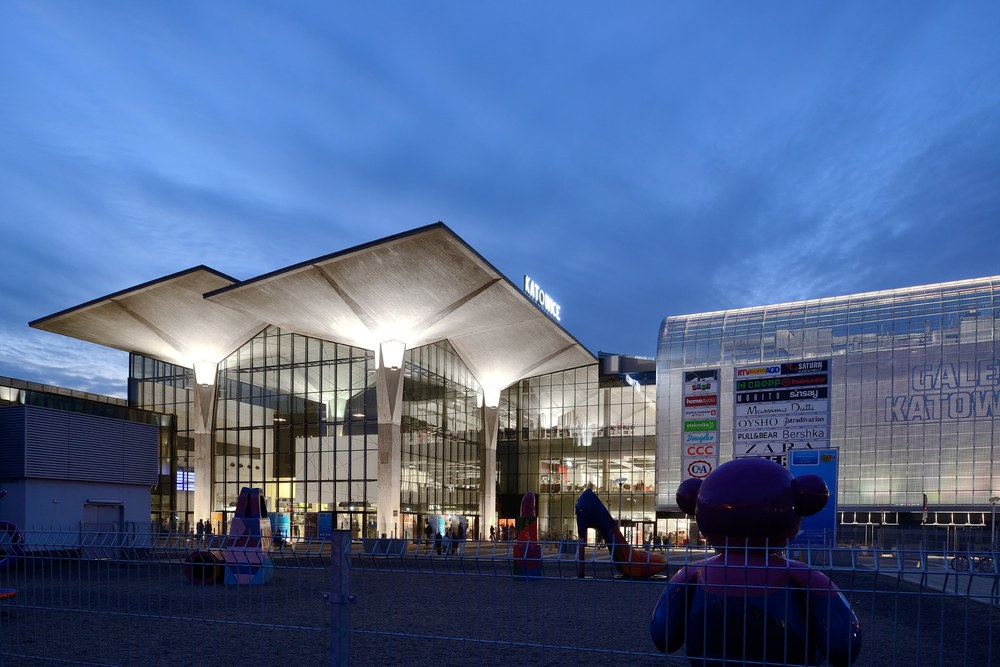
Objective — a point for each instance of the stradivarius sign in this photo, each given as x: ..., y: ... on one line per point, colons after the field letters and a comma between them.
x: 538, y: 295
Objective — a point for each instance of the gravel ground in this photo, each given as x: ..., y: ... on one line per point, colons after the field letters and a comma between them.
x: 417, y: 611
x: 605, y: 622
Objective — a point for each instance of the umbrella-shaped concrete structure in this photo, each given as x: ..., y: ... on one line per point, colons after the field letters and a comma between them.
x: 401, y: 292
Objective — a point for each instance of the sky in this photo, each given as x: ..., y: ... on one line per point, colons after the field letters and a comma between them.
x: 638, y: 160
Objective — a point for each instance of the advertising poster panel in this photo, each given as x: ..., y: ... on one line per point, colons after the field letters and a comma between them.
x: 700, y: 417
x: 820, y: 529
x: 780, y: 407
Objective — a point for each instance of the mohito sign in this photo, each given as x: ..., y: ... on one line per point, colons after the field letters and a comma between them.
x: 811, y: 394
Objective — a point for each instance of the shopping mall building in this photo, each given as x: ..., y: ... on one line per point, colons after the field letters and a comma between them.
x: 407, y: 382
x: 384, y: 388
x: 904, y: 384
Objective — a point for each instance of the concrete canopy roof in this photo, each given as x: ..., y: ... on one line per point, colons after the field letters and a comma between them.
x: 419, y: 287
x: 167, y: 319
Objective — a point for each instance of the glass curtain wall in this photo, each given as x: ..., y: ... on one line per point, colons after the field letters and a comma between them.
x: 296, y: 416
x: 914, y: 391
x: 441, y: 436
x: 565, y: 432
x: 166, y: 389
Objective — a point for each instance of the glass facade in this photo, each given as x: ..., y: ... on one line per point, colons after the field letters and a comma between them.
x: 441, y: 442
x: 297, y: 416
x: 165, y: 388
x: 914, y: 387
x: 564, y: 432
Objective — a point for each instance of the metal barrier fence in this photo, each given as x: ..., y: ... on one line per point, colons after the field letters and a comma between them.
x: 93, y: 599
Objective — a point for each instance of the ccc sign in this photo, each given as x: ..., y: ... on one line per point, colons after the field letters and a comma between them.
x: 701, y: 450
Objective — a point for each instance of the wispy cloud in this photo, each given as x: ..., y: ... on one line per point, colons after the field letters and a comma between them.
x: 48, y: 359
x: 644, y: 161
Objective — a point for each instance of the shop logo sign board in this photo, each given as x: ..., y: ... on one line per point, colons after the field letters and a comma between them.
x: 700, y: 430
x: 781, y: 407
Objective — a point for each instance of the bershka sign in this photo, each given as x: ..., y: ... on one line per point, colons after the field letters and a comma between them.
x: 781, y: 407
x: 539, y: 296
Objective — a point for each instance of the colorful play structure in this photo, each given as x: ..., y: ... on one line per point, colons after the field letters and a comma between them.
x: 11, y: 546
x: 748, y: 604
x: 527, y: 556
x: 245, y: 557
x: 630, y: 562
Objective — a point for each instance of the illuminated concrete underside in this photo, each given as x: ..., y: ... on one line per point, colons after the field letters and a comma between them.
x: 415, y: 288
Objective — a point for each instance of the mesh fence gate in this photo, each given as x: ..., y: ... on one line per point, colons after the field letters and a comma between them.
x: 95, y: 599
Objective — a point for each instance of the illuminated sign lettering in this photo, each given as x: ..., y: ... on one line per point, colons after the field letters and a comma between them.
x: 951, y: 390
x: 539, y: 296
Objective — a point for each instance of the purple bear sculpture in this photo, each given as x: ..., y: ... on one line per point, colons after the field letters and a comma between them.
x: 748, y: 604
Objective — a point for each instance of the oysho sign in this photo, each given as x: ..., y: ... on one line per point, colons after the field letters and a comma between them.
x: 538, y: 295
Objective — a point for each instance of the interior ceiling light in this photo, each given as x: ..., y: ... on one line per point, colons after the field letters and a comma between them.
x: 391, y: 353
x: 204, y: 372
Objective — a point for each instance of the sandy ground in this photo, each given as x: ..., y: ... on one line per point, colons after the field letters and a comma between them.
x: 417, y: 611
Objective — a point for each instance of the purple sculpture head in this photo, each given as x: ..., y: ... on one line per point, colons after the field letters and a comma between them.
x: 751, y: 502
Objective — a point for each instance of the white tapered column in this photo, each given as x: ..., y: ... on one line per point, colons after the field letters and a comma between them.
x: 488, y: 469
x: 389, y: 396
x: 203, y: 421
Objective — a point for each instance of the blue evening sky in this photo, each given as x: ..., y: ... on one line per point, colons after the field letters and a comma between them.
x: 638, y: 159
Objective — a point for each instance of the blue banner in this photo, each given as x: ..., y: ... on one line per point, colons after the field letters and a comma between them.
x: 325, y: 524
x: 280, y: 524
x: 820, y: 529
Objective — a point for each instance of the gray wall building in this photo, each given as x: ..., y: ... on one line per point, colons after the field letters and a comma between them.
x: 74, y: 462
